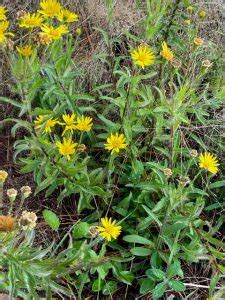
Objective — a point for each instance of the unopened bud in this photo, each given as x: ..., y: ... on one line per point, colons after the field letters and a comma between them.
x: 12, y: 193
x: 198, y: 42
x: 176, y: 62
x: 3, y: 176
x: 194, y: 153
x: 167, y: 172
x: 21, y: 14
x: 78, y: 31
x: 206, y: 63
x: 25, y: 191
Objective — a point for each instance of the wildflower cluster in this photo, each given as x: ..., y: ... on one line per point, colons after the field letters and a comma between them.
x: 49, y: 23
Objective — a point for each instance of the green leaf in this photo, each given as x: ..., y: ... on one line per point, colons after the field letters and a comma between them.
x: 81, y: 230
x: 51, y: 219
x: 159, y: 290
x: 109, y: 288
x: 177, y: 285
x: 217, y: 184
x: 140, y: 251
x: 133, y: 238
x: 146, y: 286
x: 97, y: 285
x: 158, y: 273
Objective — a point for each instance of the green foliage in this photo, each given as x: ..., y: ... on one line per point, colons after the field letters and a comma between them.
x: 155, y: 188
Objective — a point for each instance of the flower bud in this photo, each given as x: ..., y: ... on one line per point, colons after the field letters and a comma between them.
x: 202, y: 14
x: 25, y: 191
x: 206, y: 63
x: 3, y: 176
x: 78, y: 31
x: 188, y: 22
x: 12, y: 193
x: 194, y: 153
x: 167, y: 172
x: 198, y: 42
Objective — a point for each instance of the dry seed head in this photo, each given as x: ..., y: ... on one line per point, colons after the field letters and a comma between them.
x: 176, y: 63
x: 184, y: 180
x: 167, y: 172
x: 93, y: 230
x: 27, y: 221
x: 21, y: 14
x: 7, y: 223
x: 81, y: 148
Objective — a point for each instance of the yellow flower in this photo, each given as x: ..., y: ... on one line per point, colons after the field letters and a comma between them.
x: 208, y: 162
x: 78, y: 31
x: 166, y: 52
x: 3, y: 175
x: 84, y: 123
x: 3, y: 32
x: 31, y: 20
x: 38, y: 122
x: 198, y: 42
x: 116, y: 142
x: 2, y: 13
x: 143, y: 56
x: 67, y: 147
x: 202, y: 14
x: 67, y: 16
x: 109, y: 230
x: 50, y: 8
x: 54, y: 33
x: 69, y: 122
x: 49, y: 124
x: 25, y: 51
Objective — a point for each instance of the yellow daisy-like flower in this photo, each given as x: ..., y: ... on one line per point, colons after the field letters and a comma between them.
x: 49, y: 124
x: 31, y: 21
x: 109, y: 230
x: 67, y: 16
x: 84, y: 123
x: 25, y: 51
x: 166, y: 52
x: 143, y: 56
x: 208, y: 162
x: 38, y: 122
x: 54, y: 33
x: 69, y: 122
x: 3, y: 11
x: 50, y: 8
x: 3, y: 32
x: 198, y: 42
x: 67, y: 147
x: 116, y: 142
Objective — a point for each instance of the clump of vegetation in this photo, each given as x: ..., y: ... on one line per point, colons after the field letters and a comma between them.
x: 127, y: 151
